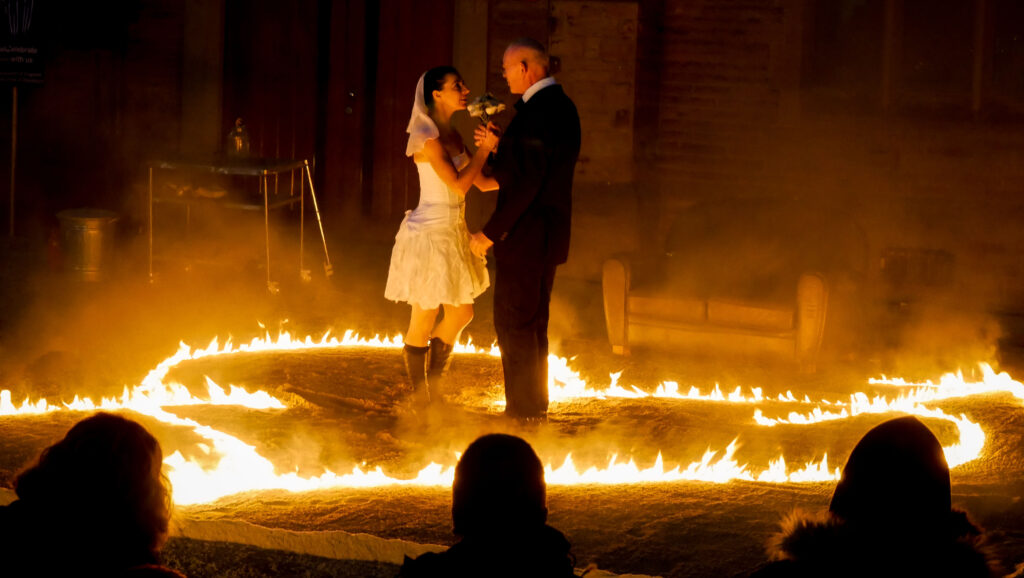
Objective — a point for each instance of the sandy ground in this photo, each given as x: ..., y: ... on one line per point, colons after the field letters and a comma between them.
x: 60, y: 338
x: 341, y: 416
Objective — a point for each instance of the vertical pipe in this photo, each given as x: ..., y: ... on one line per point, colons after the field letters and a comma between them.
x: 266, y: 223
x: 150, y: 232
x: 14, y: 148
x: 369, y: 104
x: 977, y: 93
x: 302, y: 221
x: 890, y: 51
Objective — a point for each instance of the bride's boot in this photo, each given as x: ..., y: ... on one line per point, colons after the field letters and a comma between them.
x: 440, y: 359
x: 416, y: 369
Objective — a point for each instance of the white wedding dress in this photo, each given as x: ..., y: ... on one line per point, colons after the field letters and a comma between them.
x: 431, y: 263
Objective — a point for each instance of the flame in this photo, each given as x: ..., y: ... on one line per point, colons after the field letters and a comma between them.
x: 954, y: 385
x: 950, y: 386
x: 708, y: 469
x: 812, y: 472
x: 239, y: 466
x: 565, y: 384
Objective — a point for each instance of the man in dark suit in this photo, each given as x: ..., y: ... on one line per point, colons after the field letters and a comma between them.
x: 529, y: 230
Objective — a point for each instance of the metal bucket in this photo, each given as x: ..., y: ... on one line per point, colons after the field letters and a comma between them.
x: 87, y: 236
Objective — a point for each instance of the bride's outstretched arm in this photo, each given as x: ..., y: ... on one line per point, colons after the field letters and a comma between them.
x: 485, y: 183
x: 442, y: 164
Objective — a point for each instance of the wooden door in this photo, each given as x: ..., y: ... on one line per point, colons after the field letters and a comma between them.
x: 411, y: 38
x: 295, y: 72
x: 270, y: 63
x: 346, y: 107
x: 334, y: 80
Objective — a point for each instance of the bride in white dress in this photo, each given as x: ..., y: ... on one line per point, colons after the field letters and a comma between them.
x: 431, y: 264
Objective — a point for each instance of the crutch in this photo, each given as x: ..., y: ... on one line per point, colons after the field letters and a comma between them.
x: 328, y: 269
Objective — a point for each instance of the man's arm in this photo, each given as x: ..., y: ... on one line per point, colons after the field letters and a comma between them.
x: 519, y: 175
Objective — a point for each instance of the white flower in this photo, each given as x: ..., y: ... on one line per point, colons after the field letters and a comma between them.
x: 485, y: 106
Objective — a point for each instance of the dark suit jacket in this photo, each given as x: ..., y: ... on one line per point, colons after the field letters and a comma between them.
x: 538, y: 553
x: 534, y: 168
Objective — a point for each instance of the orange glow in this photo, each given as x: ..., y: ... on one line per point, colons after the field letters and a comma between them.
x: 240, y: 467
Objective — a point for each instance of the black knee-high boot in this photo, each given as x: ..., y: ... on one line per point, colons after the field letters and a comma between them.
x: 416, y: 369
x: 440, y: 359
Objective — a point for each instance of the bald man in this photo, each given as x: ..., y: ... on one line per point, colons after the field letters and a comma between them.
x: 529, y: 230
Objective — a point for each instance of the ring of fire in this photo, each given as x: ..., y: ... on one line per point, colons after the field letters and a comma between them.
x: 241, y: 468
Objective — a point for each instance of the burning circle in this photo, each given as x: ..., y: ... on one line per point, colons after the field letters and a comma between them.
x: 240, y: 467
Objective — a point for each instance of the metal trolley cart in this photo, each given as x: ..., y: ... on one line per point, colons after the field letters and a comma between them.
x: 263, y: 169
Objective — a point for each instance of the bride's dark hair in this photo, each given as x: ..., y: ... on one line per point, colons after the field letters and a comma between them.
x: 434, y: 80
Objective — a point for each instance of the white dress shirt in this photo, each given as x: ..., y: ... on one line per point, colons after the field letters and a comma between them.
x: 536, y: 86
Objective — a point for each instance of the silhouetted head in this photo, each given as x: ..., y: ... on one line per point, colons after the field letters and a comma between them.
x: 896, y: 478
x: 435, y: 79
x: 150, y: 571
x: 499, y: 487
x: 103, y: 482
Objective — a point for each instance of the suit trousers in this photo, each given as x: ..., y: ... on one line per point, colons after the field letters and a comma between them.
x: 522, y: 297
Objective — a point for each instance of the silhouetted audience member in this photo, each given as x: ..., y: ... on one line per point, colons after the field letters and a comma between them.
x: 499, y: 508
x: 93, y: 504
x: 890, y: 516
x: 149, y: 571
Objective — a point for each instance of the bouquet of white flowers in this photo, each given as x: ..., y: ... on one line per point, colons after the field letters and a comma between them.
x: 484, y: 107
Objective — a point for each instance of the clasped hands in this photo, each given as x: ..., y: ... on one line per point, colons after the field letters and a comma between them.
x: 487, y: 136
x: 479, y: 244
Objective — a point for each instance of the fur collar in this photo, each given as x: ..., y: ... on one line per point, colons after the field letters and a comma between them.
x: 831, y: 544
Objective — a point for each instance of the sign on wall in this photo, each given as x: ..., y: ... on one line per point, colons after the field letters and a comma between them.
x: 20, y: 40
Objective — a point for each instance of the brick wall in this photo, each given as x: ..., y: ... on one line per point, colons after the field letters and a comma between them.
x: 596, y: 43
x: 724, y: 116
x: 718, y: 97
x: 952, y: 186
x: 732, y: 123
x: 506, y: 21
